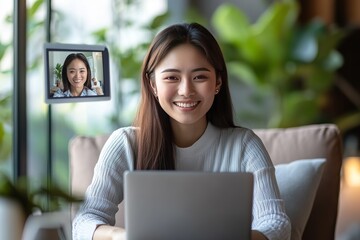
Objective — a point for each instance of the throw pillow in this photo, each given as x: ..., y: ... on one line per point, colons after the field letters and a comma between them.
x: 298, y: 183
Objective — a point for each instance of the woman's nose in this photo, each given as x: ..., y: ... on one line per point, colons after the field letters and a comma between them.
x: 186, y: 88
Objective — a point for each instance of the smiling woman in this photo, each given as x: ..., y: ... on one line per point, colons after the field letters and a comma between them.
x: 76, y: 77
x: 185, y: 123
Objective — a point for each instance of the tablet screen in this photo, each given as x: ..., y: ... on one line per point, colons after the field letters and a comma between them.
x: 76, y: 73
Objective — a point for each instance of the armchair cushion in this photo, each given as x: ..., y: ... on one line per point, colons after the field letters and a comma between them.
x: 298, y: 182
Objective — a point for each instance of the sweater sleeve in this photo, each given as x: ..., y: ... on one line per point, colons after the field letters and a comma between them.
x: 269, y: 215
x: 106, y: 189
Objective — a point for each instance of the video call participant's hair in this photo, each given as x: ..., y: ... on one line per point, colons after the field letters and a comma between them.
x: 67, y: 61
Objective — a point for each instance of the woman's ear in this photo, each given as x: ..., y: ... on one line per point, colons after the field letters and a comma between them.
x: 218, y: 84
x: 153, y: 86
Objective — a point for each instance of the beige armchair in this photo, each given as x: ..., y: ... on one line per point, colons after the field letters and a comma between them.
x: 284, y: 146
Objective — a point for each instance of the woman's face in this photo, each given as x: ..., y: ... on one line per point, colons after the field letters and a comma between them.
x: 185, y: 84
x: 77, y: 73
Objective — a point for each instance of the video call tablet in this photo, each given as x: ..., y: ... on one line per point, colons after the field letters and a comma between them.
x: 63, y: 75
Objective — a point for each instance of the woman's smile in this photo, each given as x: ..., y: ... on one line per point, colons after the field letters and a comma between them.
x: 77, y: 73
x: 187, y: 105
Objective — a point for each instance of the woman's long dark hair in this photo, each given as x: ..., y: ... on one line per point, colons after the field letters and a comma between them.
x: 154, y: 139
x: 67, y: 61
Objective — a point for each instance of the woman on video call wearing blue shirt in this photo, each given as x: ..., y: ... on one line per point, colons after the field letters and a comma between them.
x: 76, y: 77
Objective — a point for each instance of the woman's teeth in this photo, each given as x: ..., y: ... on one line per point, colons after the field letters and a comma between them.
x: 186, y: 105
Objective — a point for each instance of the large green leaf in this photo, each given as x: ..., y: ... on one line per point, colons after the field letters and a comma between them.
x: 243, y: 72
x: 320, y: 80
x: 263, y: 43
x: 253, y: 51
x: 231, y: 23
x: 298, y: 108
x: 274, y: 30
x: 328, y: 42
x: 278, y: 19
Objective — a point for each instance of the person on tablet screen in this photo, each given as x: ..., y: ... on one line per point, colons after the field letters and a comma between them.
x: 76, y: 77
x: 184, y: 122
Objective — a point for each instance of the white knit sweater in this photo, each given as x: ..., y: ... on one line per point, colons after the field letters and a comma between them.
x: 218, y: 150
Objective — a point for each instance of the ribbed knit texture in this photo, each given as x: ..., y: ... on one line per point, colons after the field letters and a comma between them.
x: 218, y: 150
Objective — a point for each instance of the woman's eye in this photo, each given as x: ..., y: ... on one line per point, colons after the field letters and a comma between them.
x: 200, y: 77
x: 171, y: 78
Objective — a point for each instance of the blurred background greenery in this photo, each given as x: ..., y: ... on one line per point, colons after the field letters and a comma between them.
x: 295, y: 64
x: 288, y: 66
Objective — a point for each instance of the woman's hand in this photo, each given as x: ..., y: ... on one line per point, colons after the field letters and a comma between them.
x: 99, y: 91
x: 106, y: 232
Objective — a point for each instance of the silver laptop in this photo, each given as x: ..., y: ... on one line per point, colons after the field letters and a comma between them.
x: 175, y: 205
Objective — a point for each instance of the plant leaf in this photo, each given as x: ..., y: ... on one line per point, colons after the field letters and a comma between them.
x: 304, y: 46
x: 278, y: 19
x: 300, y: 109
x: 158, y: 21
x: 231, y: 23
x: 34, y: 8
x: 243, y: 72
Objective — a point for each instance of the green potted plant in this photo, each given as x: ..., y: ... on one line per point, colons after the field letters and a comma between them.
x: 295, y: 63
x: 57, y: 71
